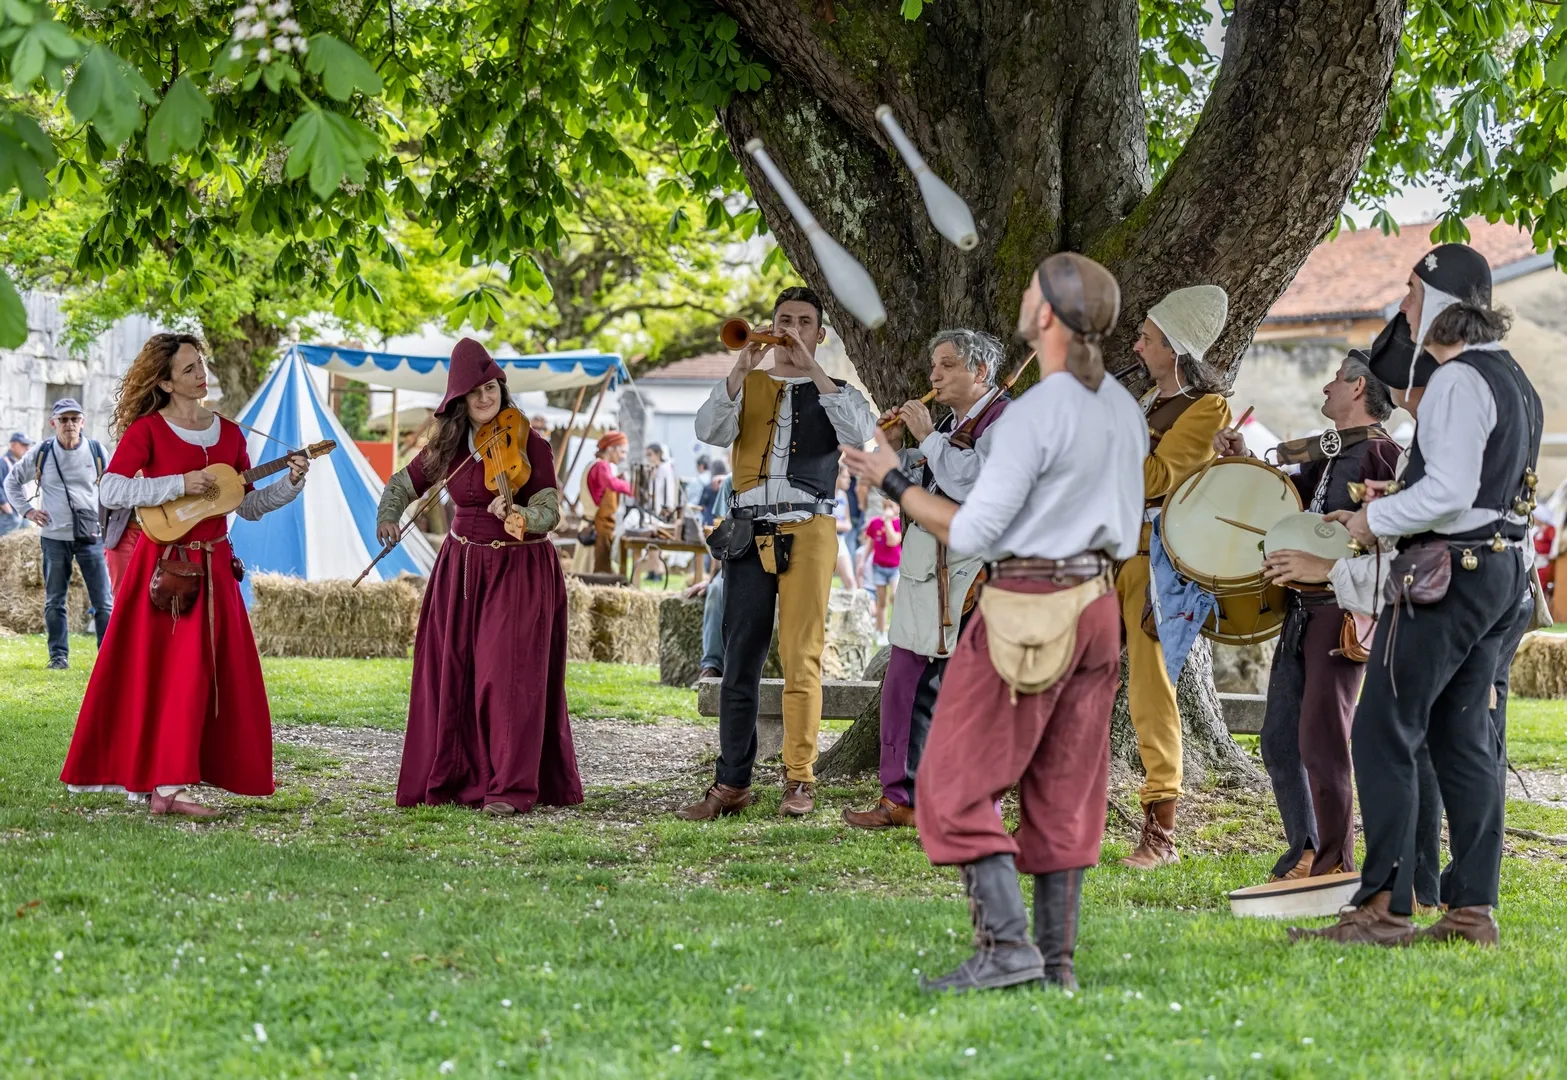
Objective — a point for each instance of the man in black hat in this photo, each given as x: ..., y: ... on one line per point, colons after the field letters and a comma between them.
x: 1461, y: 509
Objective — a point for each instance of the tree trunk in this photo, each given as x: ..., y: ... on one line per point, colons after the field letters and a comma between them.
x: 240, y: 360
x: 1032, y: 111
x: 859, y: 749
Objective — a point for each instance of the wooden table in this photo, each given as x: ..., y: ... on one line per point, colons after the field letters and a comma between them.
x: 642, y: 543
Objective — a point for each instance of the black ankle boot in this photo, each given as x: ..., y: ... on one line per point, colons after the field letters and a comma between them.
x: 1057, y: 898
x: 1003, y: 955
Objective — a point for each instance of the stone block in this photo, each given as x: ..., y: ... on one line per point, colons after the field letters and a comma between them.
x: 1243, y: 713
x: 1243, y: 669
x: 842, y: 699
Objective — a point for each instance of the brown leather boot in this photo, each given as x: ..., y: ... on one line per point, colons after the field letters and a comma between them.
x: 1369, y: 924
x: 1476, y: 925
x: 797, y: 799
x: 1157, y: 845
x: 886, y: 814
x: 1003, y: 954
x: 1057, y: 898
x: 1299, y: 870
x: 720, y: 799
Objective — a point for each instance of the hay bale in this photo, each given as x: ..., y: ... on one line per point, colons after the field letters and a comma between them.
x: 579, y: 621
x: 1540, y: 667
x: 22, y: 586
x: 294, y: 617
x: 680, y: 639
x: 625, y: 625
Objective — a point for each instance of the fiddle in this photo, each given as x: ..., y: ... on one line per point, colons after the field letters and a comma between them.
x: 504, y: 450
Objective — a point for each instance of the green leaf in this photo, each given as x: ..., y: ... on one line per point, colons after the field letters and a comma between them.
x: 108, y: 93
x: 330, y: 147
x: 911, y: 9
x: 178, y: 123
x: 1556, y: 70
x: 25, y: 156
x: 42, y: 41
x: 13, y: 316
x: 341, y: 68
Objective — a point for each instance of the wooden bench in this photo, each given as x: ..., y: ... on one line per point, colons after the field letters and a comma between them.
x: 846, y: 699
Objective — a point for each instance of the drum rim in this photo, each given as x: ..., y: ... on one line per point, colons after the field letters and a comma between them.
x: 1224, y: 585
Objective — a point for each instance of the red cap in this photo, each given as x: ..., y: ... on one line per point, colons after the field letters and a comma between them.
x: 471, y: 367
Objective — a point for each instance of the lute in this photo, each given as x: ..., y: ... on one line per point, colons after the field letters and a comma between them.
x: 169, y: 521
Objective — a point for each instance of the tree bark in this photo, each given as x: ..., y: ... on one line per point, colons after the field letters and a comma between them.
x: 858, y: 750
x: 240, y: 360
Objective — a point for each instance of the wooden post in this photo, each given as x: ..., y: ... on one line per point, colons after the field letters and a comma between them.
x: 560, y: 455
x: 394, y: 429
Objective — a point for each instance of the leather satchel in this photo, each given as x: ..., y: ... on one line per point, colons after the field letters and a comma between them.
x: 1354, y: 637
x: 1420, y: 575
x: 731, y: 539
x: 176, y: 582
x: 1032, y: 637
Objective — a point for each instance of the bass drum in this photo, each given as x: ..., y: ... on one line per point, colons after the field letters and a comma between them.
x: 1213, y: 523
x: 1247, y: 618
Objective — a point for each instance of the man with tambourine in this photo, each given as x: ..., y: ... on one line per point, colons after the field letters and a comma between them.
x: 1320, y: 657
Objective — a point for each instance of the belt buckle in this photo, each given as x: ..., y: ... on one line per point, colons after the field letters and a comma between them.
x: 497, y: 544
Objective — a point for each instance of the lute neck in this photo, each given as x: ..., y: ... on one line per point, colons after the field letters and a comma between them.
x: 250, y: 476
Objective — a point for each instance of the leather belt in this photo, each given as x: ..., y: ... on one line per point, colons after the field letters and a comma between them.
x: 1082, y: 567
x: 205, y: 548
x: 495, y: 545
x: 778, y: 509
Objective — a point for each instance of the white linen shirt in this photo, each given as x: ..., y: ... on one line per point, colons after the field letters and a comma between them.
x: 1062, y: 474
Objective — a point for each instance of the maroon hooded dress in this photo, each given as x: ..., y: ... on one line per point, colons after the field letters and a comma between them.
x: 487, y: 714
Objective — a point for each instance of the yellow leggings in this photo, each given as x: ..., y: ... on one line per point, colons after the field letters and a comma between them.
x: 1155, y: 716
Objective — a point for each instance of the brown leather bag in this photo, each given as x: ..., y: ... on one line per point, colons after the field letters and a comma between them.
x: 1420, y: 574
x: 1354, y: 637
x: 176, y: 582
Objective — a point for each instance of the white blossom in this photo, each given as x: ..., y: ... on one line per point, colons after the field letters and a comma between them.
x: 301, y: 45
x: 281, y: 8
x: 261, y: 1033
x: 282, y: 44
x: 288, y: 26
x: 246, y: 12
x: 263, y: 54
x: 237, y: 52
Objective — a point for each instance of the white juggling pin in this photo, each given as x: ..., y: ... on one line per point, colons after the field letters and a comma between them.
x: 848, y: 280
x: 949, y: 213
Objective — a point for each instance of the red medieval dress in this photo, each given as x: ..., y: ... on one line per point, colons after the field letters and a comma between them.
x: 487, y: 716
x: 175, y: 702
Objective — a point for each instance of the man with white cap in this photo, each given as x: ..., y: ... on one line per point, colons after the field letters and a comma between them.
x: 1184, y: 412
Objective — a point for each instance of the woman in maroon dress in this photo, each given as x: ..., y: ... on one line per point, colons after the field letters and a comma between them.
x: 176, y: 702
x: 487, y: 722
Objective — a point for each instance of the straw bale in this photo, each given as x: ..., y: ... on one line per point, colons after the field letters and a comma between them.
x: 22, y: 586
x: 294, y: 617
x: 579, y: 621
x: 1540, y: 667
x: 625, y: 625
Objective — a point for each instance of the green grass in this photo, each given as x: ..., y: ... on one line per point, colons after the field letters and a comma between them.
x: 591, y: 942
x: 1536, y: 734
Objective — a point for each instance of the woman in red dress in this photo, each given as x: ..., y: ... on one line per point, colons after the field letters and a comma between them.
x: 487, y: 723
x: 176, y: 702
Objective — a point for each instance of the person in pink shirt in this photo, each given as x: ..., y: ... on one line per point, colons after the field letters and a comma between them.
x: 603, y: 488
x: 886, y: 537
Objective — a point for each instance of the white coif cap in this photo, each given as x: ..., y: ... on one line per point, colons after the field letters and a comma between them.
x: 1192, y: 318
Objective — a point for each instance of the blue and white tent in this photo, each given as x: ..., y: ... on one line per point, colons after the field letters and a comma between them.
x: 329, y: 531
x: 543, y: 371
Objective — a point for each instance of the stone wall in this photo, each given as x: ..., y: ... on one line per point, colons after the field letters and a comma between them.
x: 850, y: 645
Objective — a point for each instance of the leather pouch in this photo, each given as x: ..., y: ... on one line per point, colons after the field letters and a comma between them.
x: 731, y: 538
x: 1033, y: 636
x: 176, y: 582
x: 774, y: 550
x: 1149, y: 624
x: 588, y: 536
x: 237, y: 565
x: 1354, y: 637
x: 1542, y: 606
x: 1420, y: 575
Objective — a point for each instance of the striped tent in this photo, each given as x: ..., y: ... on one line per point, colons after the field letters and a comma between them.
x: 539, y: 371
x: 329, y: 531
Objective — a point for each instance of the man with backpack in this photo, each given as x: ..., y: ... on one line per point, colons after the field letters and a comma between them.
x: 66, y: 469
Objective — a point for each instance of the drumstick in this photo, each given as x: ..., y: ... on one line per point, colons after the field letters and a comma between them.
x: 893, y: 421
x: 1245, y: 416
x: 1242, y: 525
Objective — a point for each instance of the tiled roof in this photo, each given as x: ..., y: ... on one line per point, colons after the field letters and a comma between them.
x: 709, y: 367
x: 1362, y: 273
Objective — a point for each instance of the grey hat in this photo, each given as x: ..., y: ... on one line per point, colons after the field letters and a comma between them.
x: 21, y: 437
x: 67, y: 405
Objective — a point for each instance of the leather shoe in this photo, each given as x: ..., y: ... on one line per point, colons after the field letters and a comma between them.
x: 1369, y: 924
x: 886, y: 814
x: 711, y: 673
x: 1476, y: 925
x: 174, y: 804
x: 720, y: 799
x: 1299, y: 870
x: 1157, y: 844
x: 797, y: 799
x: 500, y: 809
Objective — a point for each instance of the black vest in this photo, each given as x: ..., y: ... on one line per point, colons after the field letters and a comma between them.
x: 813, y: 442
x: 1512, y: 448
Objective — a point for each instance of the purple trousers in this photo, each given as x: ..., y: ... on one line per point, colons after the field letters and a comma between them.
x: 908, y: 701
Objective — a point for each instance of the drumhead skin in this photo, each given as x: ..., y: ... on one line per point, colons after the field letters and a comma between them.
x: 1309, y: 533
x: 1217, y: 554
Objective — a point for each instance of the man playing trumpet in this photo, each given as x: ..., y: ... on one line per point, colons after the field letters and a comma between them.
x: 933, y: 598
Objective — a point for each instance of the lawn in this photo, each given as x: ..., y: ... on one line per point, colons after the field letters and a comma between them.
x: 309, y: 935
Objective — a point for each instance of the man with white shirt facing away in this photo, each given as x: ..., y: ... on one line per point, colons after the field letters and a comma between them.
x: 1026, y: 697
x: 934, y: 595
x: 779, y: 543
x: 67, y: 468
x: 1460, y: 510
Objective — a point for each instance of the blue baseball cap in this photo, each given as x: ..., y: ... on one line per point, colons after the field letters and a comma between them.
x: 66, y: 405
x: 21, y: 437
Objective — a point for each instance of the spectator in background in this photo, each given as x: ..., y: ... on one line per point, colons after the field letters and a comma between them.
x: 66, y: 468
x: 664, y: 488
x: 712, y: 590
x: 856, y: 496
x: 10, y: 519
x: 840, y: 515
x: 602, y: 488
x: 704, y: 477
x: 708, y: 498
x: 886, y: 539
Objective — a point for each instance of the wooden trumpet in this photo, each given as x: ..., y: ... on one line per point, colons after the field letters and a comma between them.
x: 894, y: 421
x: 737, y: 334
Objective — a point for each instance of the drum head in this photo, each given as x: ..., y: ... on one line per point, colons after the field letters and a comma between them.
x: 1214, y: 537
x: 1309, y: 533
